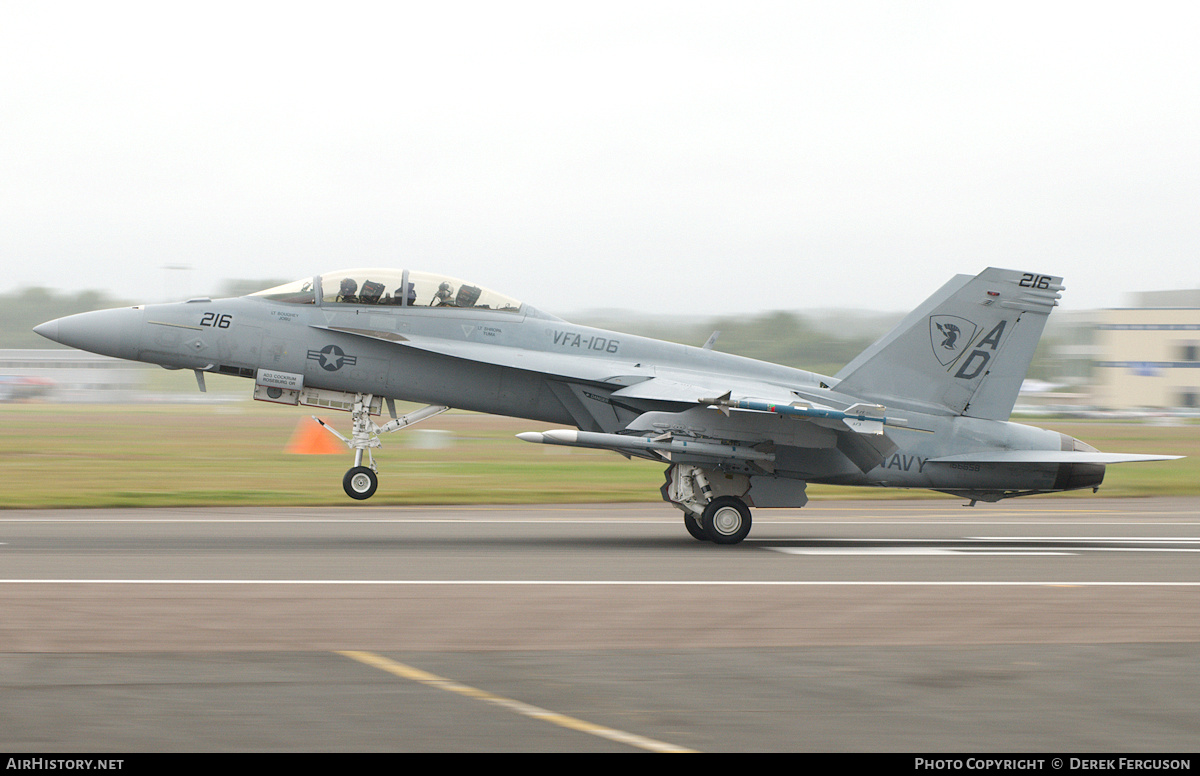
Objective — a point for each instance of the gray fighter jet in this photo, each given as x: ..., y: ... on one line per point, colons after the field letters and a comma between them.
x: 926, y: 406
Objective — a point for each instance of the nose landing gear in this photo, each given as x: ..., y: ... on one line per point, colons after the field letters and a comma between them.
x: 361, y: 481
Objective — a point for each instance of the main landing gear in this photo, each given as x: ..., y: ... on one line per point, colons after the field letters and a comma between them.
x: 720, y: 519
x: 726, y: 520
x: 362, y: 481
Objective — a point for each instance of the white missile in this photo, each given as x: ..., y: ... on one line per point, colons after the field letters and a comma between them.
x: 666, y: 444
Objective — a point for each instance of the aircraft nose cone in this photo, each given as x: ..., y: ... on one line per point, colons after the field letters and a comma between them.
x: 107, y: 332
x: 49, y: 329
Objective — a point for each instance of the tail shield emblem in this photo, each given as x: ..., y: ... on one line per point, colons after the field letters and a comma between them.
x: 949, y: 335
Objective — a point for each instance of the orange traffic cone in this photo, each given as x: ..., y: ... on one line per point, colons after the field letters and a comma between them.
x: 310, y: 439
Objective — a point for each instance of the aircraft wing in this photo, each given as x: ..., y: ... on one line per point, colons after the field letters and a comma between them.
x: 682, y: 387
x: 679, y: 387
x: 738, y: 414
x: 732, y: 421
x: 732, y: 395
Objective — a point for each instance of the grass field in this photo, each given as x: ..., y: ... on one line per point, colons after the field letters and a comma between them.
x: 54, y: 455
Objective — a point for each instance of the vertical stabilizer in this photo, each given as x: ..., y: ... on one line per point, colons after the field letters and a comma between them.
x: 965, y: 350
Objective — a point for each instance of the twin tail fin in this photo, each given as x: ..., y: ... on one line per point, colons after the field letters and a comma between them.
x: 965, y: 351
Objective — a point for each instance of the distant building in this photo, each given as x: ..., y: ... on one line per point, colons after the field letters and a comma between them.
x: 1182, y: 298
x: 1149, y: 356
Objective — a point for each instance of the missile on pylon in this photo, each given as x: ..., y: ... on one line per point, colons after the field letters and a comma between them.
x: 861, y: 417
x: 665, y: 445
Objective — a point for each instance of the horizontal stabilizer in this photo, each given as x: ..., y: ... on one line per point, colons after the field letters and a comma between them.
x: 1050, y: 456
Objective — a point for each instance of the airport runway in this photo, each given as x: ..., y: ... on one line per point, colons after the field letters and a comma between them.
x: 1048, y: 625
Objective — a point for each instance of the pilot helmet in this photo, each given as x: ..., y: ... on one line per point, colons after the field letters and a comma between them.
x: 349, y: 286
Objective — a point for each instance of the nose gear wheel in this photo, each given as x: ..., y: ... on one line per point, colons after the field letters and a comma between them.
x: 360, y: 483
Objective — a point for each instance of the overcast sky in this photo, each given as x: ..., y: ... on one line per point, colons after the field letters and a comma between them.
x: 676, y: 157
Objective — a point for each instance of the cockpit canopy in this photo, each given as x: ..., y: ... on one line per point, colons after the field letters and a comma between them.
x: 391, y: 287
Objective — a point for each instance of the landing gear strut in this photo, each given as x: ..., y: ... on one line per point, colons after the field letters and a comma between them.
x: 362, y: 481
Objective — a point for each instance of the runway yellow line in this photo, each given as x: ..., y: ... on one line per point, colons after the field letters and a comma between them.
x: 533, y: 712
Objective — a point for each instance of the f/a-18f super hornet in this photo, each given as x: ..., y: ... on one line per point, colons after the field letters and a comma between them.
x: 926, y: 406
